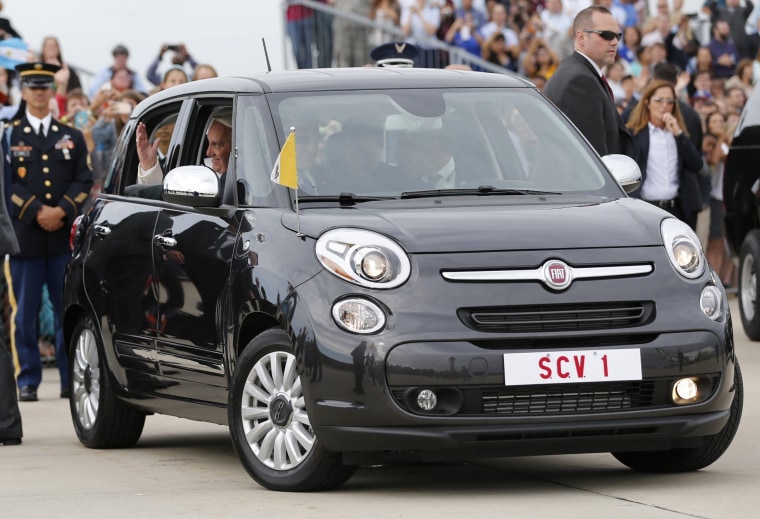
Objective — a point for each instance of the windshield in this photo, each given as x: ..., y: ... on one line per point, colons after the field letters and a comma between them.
x: 390, y: 143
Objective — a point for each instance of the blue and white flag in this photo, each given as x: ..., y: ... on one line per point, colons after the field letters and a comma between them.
x: 13, y: 51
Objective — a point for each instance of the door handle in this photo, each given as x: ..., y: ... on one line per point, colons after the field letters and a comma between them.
x: 101, y: 230
x: 164, y: 241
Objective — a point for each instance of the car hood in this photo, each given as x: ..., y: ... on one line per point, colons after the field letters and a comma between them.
x: 430, y: 226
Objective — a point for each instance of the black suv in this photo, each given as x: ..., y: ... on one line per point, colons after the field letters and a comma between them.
x: 457, y: 275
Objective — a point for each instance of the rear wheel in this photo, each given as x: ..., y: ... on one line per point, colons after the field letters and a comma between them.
x: 687, y: 460
x: 749, y: 263
x: 269, y: 423
x: 101, y: 421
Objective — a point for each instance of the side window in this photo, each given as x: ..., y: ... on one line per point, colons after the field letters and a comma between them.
x: 208, y: 139
x: 255, y: 159
x: 143, y: 179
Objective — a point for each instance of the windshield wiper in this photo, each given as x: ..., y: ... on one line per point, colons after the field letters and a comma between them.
x: 479, y: 191
x: 345, y: 199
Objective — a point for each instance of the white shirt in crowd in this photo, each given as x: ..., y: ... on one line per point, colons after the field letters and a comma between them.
x: 662, y: 166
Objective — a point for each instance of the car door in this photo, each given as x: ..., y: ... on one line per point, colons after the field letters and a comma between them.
x: 118, y: 278
x: 192, y: 250
x: 119, y: 268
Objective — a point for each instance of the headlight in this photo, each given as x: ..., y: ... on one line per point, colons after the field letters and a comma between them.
x: 682, y: 248
x: 363, y: 257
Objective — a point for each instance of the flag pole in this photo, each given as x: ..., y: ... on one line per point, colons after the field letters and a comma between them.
x: 298, y: 213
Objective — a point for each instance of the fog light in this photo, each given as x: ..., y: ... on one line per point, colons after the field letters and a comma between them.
x: 711, y: 302
x: 685, y: 390
x: 427, y: 400
x: 358, y: 315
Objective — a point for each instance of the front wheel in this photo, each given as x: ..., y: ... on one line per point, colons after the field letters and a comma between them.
x: 687, y: 460
x: 101, y: 421
x: 749, y: 263
x: 269, y: 423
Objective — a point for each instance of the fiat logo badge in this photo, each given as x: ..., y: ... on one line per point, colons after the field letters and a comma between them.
x: 557, y: 274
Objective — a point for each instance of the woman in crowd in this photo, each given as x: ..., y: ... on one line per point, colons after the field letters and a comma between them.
x: 121, y: 81
x: 462, y: 34
x: 496, y: 51
x: 105, y: 132
x: 715, y: 146
x: 66, y: 78
x: 628, y: 48
x: 539, y: 59
x: 386, y: 14
x: 204, y: 71
x: 666, y: 156
x: 615, y: 74
x: 742, y: 78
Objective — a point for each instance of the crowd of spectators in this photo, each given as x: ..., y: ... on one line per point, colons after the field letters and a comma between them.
x: 101, y: 106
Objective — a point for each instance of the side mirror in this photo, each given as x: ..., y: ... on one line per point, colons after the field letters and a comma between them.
x: 625, y: 170
x: 196, y: 186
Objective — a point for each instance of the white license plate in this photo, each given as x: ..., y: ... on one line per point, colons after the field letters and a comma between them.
x: 562, y: 367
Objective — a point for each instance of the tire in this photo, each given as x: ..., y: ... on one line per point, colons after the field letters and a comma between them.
x: 749, y: 284
x: 269, y: 423
x: 101, y: 421
x: 688, y: 460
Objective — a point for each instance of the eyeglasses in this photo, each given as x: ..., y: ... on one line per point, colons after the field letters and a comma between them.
x: 663, y: 100
x: 607, y: 35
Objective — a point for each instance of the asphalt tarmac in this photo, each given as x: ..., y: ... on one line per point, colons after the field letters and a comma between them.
x: 181, y: 468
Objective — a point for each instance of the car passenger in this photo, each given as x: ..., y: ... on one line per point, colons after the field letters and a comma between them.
x: 219, y: 135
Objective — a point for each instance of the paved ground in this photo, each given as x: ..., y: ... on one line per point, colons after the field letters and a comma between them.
x: 188, y: 469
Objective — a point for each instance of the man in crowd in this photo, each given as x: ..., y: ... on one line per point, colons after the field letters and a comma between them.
x: 579, y: 89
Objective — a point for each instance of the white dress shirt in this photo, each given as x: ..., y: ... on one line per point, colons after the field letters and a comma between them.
x: 662, y: 166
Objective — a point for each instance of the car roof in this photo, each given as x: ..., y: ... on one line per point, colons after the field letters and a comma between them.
x: 330, y: 79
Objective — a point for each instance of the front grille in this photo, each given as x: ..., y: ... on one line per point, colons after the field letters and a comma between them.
x: 575, y: 398
x: 556, y: 318
x: 557, y: 399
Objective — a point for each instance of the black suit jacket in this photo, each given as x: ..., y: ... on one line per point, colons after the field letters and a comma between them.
x: 577, y: 89
x: 689, y: 162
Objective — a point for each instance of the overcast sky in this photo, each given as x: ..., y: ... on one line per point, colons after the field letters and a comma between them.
x: 224, y: 33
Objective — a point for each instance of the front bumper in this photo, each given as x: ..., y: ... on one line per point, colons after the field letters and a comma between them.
x: 357, y: 387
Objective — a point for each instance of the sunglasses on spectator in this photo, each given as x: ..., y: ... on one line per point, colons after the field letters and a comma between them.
x: 663, y: 100
x: 607, y: 35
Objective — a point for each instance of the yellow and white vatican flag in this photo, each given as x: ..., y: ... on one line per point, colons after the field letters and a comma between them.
x: 285, y: 171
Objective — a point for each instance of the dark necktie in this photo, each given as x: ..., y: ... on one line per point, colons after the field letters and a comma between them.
x: 41, y: 131
x: 607, y: 86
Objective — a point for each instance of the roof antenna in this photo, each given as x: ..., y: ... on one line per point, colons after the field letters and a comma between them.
x: 266, y: 54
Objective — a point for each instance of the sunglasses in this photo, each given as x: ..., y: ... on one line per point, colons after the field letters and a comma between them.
x: 663, y: 100
x: 607, y: 35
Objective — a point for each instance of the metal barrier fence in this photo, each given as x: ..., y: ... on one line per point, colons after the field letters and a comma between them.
x: 332, y: 37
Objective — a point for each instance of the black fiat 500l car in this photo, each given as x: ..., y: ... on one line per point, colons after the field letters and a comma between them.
x: 459, y: 276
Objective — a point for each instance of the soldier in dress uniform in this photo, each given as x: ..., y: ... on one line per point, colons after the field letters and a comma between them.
x: 50, y: 183
x: 394, y: 55
x: 10, y: 416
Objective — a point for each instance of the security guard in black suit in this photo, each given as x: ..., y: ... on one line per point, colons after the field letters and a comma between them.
x: 50, y: 183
